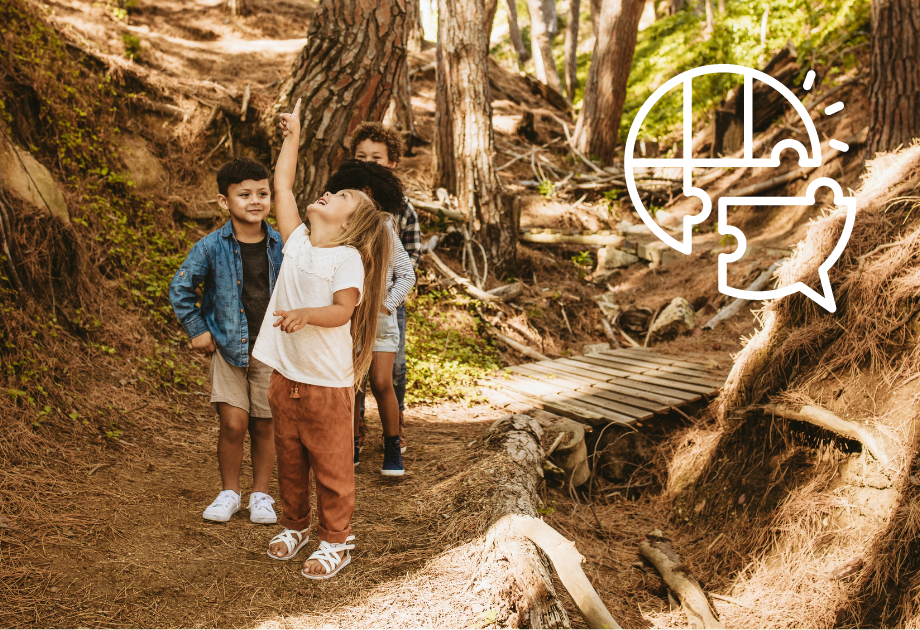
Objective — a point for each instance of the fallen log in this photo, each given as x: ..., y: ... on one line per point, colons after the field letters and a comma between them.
x: 597, y: 238
x: 729, y: 311
x: 797, y: 173
x: 827, y: 420
x: 508, y: 292
x: 437, y: 209
x: 681, y: 582
x: 526, y: 351
x: 512, y: 568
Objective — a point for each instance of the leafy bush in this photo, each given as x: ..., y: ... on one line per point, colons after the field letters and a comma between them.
x: 444, y: 354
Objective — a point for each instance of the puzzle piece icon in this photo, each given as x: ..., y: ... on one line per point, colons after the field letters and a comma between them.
x: 825, y: 300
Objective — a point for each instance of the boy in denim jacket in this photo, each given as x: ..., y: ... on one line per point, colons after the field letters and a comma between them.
x: 238, y: 265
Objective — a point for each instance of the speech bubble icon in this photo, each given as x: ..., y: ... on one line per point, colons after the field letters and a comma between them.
x: 826, y: 300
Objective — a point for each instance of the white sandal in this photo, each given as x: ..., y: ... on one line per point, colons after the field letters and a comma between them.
x: 293, y: 544
x: 327, y: 555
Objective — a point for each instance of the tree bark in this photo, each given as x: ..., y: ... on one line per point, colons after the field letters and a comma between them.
x: 464, y: 143
x: 399, y: 112
x: 598, y: 125
x: 595, y: 15
x: 571, y: 49
x: 894, y: 98
x: 345, y: 75
x: 489, y: 21
x: 550, y: 18
x: 541, y: 47
x: 514, y: 30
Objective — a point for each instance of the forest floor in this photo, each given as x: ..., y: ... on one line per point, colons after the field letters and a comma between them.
x: 112, y: 533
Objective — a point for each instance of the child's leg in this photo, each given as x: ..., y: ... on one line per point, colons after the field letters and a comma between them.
x: 261, y: 429
x: 262, y: 436
x: 399, y: 365
x: 233, y: 424
x: 382, y: 385
x: 289, y: 415
x: 329, y: 441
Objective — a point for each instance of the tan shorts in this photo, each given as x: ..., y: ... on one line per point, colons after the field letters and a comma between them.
x: 245, y: 388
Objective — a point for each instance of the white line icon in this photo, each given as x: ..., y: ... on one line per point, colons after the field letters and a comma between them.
x: 827, y: 299
x: 808, y: 157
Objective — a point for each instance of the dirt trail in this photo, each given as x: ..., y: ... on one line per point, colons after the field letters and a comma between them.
x: 147, y: 558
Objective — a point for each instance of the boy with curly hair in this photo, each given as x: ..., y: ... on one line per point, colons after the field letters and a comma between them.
x: 376, y: 142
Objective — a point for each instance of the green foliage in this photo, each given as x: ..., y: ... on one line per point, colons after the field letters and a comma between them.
x: 546, y: 188
x: 674, y: 44
x: 132, y: 46
x: 444, y: 354
x: 583, y: 259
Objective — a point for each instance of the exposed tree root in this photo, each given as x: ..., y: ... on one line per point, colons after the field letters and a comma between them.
x: 681, y: 582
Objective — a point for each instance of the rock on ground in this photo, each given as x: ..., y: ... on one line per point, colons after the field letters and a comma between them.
x: 676, y: 319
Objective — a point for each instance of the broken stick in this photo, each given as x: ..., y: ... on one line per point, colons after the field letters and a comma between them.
x: 468, y: 286
x: 826, y: 420
x: 729, y: 311
x: 681, y: 582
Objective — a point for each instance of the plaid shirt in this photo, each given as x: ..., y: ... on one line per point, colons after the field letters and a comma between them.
x: 409, y: 233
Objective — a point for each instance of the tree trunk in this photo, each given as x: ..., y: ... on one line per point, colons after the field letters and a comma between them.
x: 399, y: 112
x: 710, y: 25
x: 540, y: 46
x: 238, y: 7
x: 489, y: 20
x: 605, y: 90
x: 595, y: 15
x: 571, y: 50
x: 514, y: 30
x: 550, y: 18
x: 894, y: 98
x: 721, y: 7
x: 464, y: 144
x: 345, y: 75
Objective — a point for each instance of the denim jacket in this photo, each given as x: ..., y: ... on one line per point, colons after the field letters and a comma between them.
x: 216, y: 261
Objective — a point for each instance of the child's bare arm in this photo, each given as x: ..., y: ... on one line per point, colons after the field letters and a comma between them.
x: 332, y: 316
x: 286, y: 214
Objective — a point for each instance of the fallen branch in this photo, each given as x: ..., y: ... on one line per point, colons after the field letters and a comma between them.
x: 596, y: 238
x: 526, y: 351
x: 508, y: 292
x: 681, y: 582
x: 579, y: 154
x: 796, y: 173
x: 438, y: 209
x: 729, y: 311
x: 468, y: 286
x: 422, y: 70
x: 827, y: 420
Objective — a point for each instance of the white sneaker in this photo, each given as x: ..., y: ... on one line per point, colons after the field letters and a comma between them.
x: 260, y: 509
x: 225, y: 505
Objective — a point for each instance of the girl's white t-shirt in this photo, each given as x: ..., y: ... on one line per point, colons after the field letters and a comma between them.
x: 308, y: 278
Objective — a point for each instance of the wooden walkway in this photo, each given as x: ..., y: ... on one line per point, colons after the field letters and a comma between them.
x: 622, y: 386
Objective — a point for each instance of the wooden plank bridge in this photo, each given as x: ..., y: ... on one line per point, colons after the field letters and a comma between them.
x: 624, y: 385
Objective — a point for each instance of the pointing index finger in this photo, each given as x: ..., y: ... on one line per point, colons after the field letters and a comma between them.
x: 296, y: 112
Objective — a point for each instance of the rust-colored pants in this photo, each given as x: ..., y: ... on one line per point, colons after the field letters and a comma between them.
x: 314, y: 434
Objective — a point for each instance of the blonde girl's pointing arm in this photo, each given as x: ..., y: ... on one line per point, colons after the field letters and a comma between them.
x: 286, y: 214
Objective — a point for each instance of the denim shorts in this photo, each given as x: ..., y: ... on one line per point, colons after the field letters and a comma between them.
x: 387, y: 333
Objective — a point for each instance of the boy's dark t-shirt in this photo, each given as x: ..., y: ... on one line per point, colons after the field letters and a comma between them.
x: 255, y: 285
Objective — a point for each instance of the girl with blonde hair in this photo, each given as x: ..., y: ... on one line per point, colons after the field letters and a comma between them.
x: 329, y: 291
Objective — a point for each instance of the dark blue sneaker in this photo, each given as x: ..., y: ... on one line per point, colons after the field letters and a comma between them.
x: 392, y: 458
x: 357, y: 451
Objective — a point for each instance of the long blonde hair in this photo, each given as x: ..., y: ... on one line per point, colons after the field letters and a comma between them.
x: 368, y: 232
